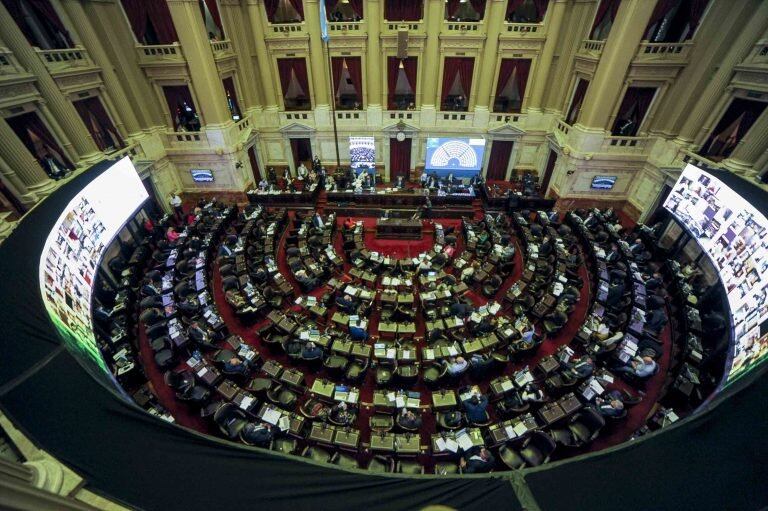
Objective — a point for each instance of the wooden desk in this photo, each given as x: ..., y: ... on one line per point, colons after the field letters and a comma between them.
x: 444, y: 401
x: 227, y: 390
x: 396, y: 228
x: 322, y: 433
x: 384, y: 442
x: 323, y: 389
x: 293, y: 378
x: 272, y: 368
x: 407, y: 444
x: 347, y: 439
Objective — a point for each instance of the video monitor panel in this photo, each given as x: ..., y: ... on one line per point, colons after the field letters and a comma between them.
x: 202, y: 175
x: 362, y: 153
x: 735, y: 237
x: 603, y: 182
x: 74, y: 248
x: 462, y: 157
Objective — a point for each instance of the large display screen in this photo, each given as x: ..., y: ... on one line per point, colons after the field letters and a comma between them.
x: 462, y: 157
x: 73, y: 251
x: 362, y: 153
x: 735, y: 237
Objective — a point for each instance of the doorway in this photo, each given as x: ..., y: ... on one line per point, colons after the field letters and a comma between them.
x: 548, y: 170
x: 254, y: 165
x: 302, y: 151
x: 499, y: 160
x: 399, y: 159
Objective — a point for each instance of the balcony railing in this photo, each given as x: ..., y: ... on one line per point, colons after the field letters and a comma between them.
x: 62, y: 60
x: 663, y: 52
x: 303, y: 117
x: 410, y: 26
x: 510, y: 118
x: 287, y: 29
x: 8, y: 63
x: 192, y: 139
x: 524, y: 29
x: 687, y: 156
x: 463, y: 26
x: 354, y: 27
x: 563, y: 128
x: 591, y: 47
x: 221, y: 48
x: 759, y: 53
x: 411, y: 116
x: 351, y: 116
x: 160, y: 53
x: 452, y: 118
x: 624, y: 145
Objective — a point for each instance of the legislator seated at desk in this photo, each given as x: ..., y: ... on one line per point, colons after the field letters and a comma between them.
x: 475, y: 408
x: 476, y: 460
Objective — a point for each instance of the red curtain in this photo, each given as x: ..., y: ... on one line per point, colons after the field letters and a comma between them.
x: 512, y: 6
x: 506, y: 69
x: 45, y: 8
x: 499, y: 160
x: 661, y: 10
x: 633, y: 108
x: 576, y: 102
x: 357, y: 6
x: 356, y: 75
x: 523, y: 70
x: 271, y: 7
x: 399, y: 158
x: 160, y: 17
x: 402, y: 10
x: 606, y: 8
x: 136, y: 12
x: 479, y: 6
x: 299, y: 68
x: 393, y: 70
x: 176, y: 96
x: 410, y: 66
x: 750, y: 110
x: 229, y: 90
x: 213, y: 7
x: 299, y: 6
x: 541, y: 8
x: 330, y: 5
x: 462, y: 66
x: 254, y: 165
x: 91, y: 109
x: 452, y: 6
x: 337, y: 66
x: 697, y: 8
x: 23, y: 124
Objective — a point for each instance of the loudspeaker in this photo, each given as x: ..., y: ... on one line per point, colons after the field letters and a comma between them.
x: 402, y: 44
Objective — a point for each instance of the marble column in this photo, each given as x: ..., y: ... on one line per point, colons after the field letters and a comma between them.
x: 126, y: 120
x: 209, y: 90
x: 430, y: 61
x: 236, y: 26
x: 750, y: 148
x: 375, y: 62
x: 494, y: 20
x: 540, y: 81
x: 318, y: 63
x: 77, y: 134
x: 21, y: 169
x: 620, y: 48
x: 258, y: 28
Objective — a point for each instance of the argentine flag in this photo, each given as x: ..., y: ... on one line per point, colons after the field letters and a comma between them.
x: 323, y: 22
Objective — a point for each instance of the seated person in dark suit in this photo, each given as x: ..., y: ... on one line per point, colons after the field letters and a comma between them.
x: 199, y: 334
x: 461, y: 310
x: 637, y: 247
x: 615, y: 293
x: 226, y: 250
x: 610, y: 405
x: 346, y: 304
x: 151, y: 316
x: 409, y: 420
x: 580, y: 368
x: 257, y: 434
x: 234, y: 298
x: 477, y: 460
x: 311, y: 350
x: 546, y: 247
x: 358, y: 333
x: 236, y: 365
x: 189, y: 306
x: 152, y: 288
x: 305, y: 280
x: 656, y: 281
x: 614, y: 255
x: 475, y: 407
x: 340, y: 414
x: 655, y: 321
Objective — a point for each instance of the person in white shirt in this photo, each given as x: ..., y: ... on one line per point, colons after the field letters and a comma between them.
x: 456, y: 365
x: 263, y: 184
x: 175, y: 201
x: 302, y: 172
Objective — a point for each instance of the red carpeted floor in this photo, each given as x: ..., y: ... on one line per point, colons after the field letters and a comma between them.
x: 189, y: 417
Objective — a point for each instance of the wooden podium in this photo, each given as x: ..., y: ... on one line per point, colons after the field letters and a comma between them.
x: 398, y: 228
